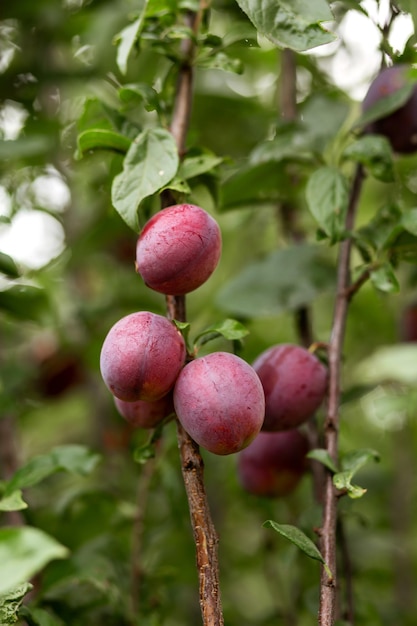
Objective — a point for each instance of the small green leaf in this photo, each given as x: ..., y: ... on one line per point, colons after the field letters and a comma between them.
x: 150, y: 163
x: 13, y: 502
x: 228, y: 328
x: 294, y: 24
x: 10, y: 603
x: 385, y: 105
x: 36, y: 616
x: 374, y: 152
x: 220, y: 61
x: 351, y: 463
x: 132, y: 93
x: 184, y: 328
x: 298, y: 538
x: 126, y: 39
x: 74, y: 459
x: 142, y: 454
x: 322, y: 456
x: 409, y: 221
x: 327, y: 197
x: 197, y: 165
x: 8, y: 266
x: 24, y: 302
x: 102, y: 139
x: 24, y: 551
x: 384, y: 279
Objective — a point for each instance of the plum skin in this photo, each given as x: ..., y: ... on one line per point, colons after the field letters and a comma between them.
x: 400, y: 126
x: 220, y: 402
x: 143, y: 414
x: 141, y: 357
x: 178, y: 249
x: 274, y: 463
x: 294, y: 382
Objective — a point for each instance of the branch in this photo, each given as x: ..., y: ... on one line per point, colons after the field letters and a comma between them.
x: 328, y: 530
x: 192, y: 466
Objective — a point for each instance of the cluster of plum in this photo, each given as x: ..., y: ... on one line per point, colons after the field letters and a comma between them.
x: 220, y: 400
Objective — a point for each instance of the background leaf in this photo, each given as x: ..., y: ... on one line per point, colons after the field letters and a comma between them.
x: 327, y: 197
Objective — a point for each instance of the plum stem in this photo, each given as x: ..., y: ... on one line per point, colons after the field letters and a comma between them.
x: 192, y: 465
x: 327, y: 608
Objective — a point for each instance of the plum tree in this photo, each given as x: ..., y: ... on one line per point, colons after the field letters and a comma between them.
x: 400, y: 126
x: 142, y: 356
x: 294, y: 382
x: 274, y: 463
x: 178, y: 249
x: 143, y: 414
x: 220, y: 402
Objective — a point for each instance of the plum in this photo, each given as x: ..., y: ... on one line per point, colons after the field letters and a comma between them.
x: 178, y: 249
x: 220, y: 402
x: 143, y: 414
x: 294, y: 382
x: 142, y: 356
x: 400, y: 126
x: 274, y: 463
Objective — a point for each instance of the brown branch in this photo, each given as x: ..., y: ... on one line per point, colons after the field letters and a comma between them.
x: 192, y: 466
x: 328, y: 530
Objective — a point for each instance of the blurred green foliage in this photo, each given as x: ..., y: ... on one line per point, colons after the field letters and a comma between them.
x: 83, y: 88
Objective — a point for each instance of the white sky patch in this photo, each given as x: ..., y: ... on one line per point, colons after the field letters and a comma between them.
x: 5, y: 202
x: 12, y: 120
x: 51, y: 192
x: 33, y: 238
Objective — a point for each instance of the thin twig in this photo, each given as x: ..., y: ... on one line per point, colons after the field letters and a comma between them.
x: 328, y: 530
x: 192, y: 466
x: 349, y: 608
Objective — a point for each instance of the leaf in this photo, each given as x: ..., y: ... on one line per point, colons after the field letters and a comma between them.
x: 24, y: 302
x: 384, y: 279
x: 229, y: 329
x: 409, y: 221
x: 351, y: 463
x: 385, y: 106
x: 220, y: 61
x: 150, y: 163
x: 283, y: 281
x: 300, y: 539
x: 102, y: 139
x: 40, y: 617
x: 74, y: 459
x: 322, y: 456
x: 197, y: 165
x: 10, y: 603
x: 294, y: 24
x: 13, y: 502
x: 8, y: 266
x: 327, y: 197
x: 374, y: 152
x: 132, y: 93
x: 126, y: 39
x: 396, y: 363
x: 184, y: 328
x: 24, y: 551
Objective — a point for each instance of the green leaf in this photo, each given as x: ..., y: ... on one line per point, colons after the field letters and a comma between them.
x: 220, y: 61
x: 298, y: 538
x: 8, y: 266
x: 102, y: 139
x: 384, y: 279
x: 409, y: 221
x: 374, y: 152
x: 184, y: 328
x: 132, y: 93
x: 351, y: 463
x: 24, y: 302
x: 74, y: 459
x: 40, y: 617
x: 322, y: 456
x: 126, y: 39
x: 197, y: 165
x: 144, y: 453
x: 229, y: 329
x: 283, y: 281
x: 396, y: 363
x: 386, y: 105
x: 294, y: 24
x: 327, y: 197
x: 24, y: 551
x: 11, y: 602
x: 13, y: 502
x: 150, y: 163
